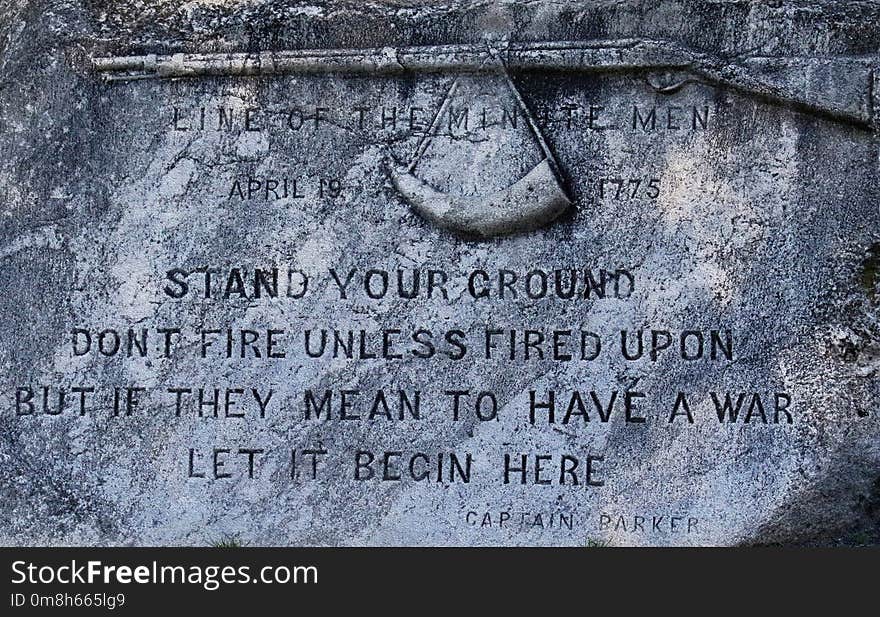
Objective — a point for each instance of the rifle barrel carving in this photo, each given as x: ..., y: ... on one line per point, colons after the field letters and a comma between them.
x: 801, y: 82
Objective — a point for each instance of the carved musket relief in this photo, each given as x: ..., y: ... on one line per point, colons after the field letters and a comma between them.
x: 841, y: 89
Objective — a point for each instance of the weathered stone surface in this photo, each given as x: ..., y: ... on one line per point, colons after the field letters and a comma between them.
x: 720, y: 160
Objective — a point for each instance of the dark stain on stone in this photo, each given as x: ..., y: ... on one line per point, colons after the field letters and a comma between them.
x: 871, y: 271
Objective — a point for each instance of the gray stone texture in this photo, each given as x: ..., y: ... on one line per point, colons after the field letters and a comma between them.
x: 766, y: 224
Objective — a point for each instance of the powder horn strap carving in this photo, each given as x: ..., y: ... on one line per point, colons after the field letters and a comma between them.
x: 531, y: 202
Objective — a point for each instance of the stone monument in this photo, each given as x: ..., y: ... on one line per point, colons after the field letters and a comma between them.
x: 470, y: 273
